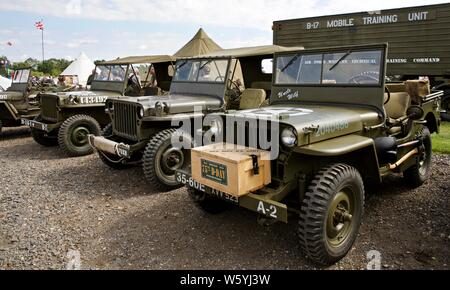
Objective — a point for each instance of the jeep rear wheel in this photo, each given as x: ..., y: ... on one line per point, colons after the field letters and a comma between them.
x: 420, y: 172
x: 331, y: 213
x: 73, y: 135
x: 1, y: 126
x: 111, y: 160
x: 161, y: 159
x: 207, y: 203
x: 445, y: 106
x: 44, y: 138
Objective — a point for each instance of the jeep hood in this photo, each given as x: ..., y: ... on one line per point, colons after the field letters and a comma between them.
x: 11, y: 96
x: 175, y: 103
x: 84, y: 94
x: 315, y: 123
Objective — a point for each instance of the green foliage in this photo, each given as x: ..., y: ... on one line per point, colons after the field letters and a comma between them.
x: 441, y: 142
x: 52, y: 67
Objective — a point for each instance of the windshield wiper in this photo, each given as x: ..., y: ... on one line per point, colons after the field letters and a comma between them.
x: 341, y: 59
x: 183, y: 64
x: 291, y: 62
x: 205, y: 64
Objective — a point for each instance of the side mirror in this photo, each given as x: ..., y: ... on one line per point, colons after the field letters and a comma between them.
x: 415, y: 113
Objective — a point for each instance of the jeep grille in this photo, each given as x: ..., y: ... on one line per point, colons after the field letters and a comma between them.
x: 49, y: 108
x: 125, y: 118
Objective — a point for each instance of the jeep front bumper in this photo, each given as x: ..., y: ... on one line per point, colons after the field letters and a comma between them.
x: 39, y: 125
x: 254, y: 202
x: 104, y: 145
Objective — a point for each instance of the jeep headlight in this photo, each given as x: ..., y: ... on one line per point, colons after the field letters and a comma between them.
x: 140, y: 112
x: 289, y: 137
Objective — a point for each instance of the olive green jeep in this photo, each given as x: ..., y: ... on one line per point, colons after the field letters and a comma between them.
x: 67, y: 118
x: 336, y: 128
x: 142, y: 128
x: 19, y: 100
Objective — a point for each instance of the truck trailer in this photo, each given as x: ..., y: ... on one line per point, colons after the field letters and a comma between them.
x: 418, y: 37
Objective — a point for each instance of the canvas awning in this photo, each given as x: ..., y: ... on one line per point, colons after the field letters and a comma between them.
x: 141, y: 59
x: 200, y: 44
x: 251, y: 51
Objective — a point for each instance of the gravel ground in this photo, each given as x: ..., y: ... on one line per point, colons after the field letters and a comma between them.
x: 50, y: 205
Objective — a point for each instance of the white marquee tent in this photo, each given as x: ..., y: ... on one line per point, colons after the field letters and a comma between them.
x: 81, y: 68
x: 5, y: 83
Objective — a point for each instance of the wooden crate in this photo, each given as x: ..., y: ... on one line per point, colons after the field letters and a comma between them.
x: 229, y: 168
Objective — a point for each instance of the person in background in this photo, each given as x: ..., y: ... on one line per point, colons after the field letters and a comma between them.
x: 62, y: 81
x: 91, y: 78
x: 152, y: 82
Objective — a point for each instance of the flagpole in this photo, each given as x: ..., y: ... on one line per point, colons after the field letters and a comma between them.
x: 43, y: 54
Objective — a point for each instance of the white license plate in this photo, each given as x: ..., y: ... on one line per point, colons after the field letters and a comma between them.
x: 122, y: 152
x: 185, y: 179
x: 35, y: 125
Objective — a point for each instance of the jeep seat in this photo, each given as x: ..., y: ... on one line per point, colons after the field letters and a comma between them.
x: 396, y: 108
x: 267, y: 86
x: 252, y: 99
x: 397, y: 105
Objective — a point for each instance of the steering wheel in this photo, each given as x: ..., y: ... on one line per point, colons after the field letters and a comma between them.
x: 388, y: 93
x: 365, y: 76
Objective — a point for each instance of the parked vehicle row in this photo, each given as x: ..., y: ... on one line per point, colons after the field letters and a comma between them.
x: 301, y: 142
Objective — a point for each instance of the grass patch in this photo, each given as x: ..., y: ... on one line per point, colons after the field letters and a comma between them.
x: 441, y: 142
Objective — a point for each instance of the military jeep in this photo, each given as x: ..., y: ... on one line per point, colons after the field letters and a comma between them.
x: 142, y: 128
x: 19, y: 101
x: 67, y: 118
x: 338, y: 129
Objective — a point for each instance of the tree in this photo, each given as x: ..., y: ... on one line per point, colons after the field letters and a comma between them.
x: 53, y: 66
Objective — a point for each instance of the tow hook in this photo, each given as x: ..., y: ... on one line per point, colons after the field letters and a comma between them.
x: 265, y: 222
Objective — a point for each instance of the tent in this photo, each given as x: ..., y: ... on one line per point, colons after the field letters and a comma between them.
x: 199, y: 45
x: 81, y: 68
x: 5, y: 83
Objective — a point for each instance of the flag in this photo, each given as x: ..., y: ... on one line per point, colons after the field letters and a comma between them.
x: 39, y: 25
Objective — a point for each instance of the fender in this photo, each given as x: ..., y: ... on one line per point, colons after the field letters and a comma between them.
x: 346, y: 147
x: 11, y: 109
x: 337, y: 146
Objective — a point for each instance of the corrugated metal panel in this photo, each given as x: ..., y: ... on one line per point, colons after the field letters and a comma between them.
x: 418, y: 37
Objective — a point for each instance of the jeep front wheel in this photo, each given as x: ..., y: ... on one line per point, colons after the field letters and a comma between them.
x: 73, y: 135
x: 43, y: 138
x: 331, y: 213
x: 1, y: 126
x: 161, y: 160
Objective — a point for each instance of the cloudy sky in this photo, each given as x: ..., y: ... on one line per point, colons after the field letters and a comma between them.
x: 106, y: 29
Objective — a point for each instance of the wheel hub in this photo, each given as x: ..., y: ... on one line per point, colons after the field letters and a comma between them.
x: 79, y: 136
x: 340, y: 217
x: 172, y: 159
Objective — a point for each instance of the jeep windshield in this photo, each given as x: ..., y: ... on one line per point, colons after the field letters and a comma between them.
x: 21, y: 76
x: 110, y: 73
x: 351, y: 67
x: 201, y: 71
